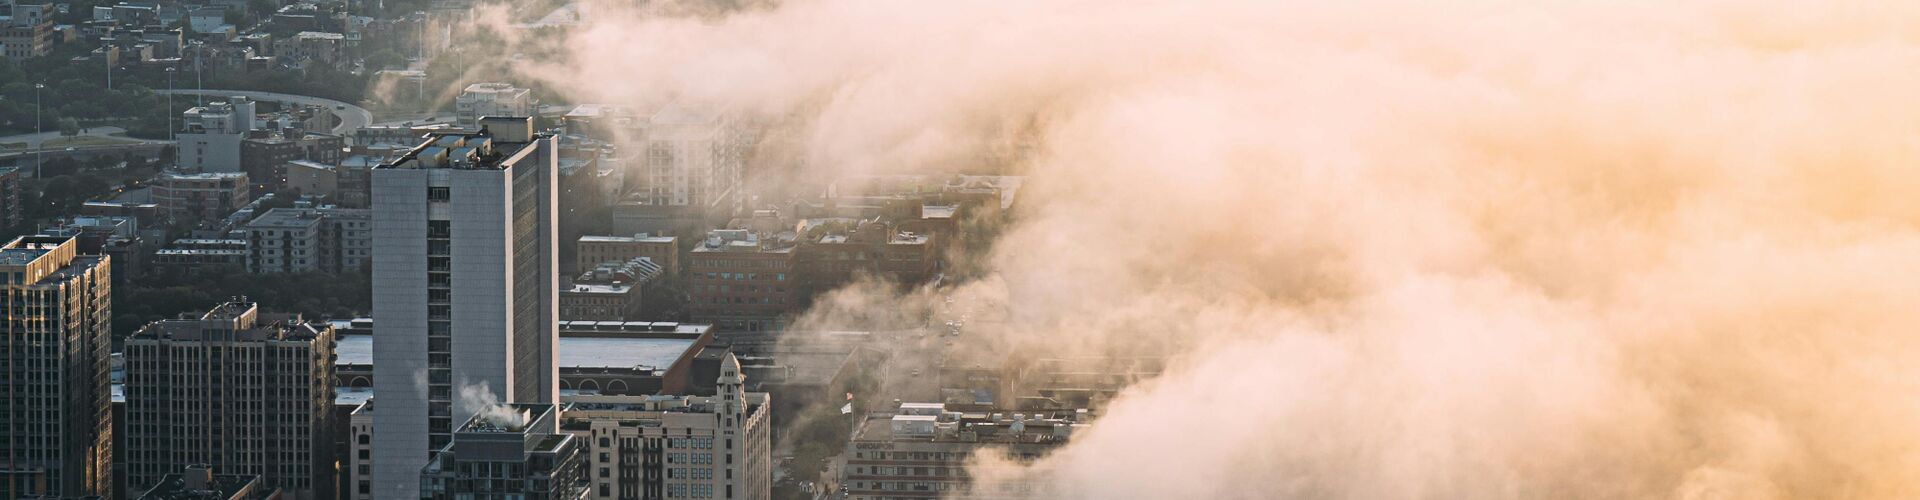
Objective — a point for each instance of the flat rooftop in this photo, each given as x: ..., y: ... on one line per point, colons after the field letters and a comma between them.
x: 638, y: 238
x: 20, y: 256
x: 575, y: 352
x: 286, y: 218
x: 351, y: 396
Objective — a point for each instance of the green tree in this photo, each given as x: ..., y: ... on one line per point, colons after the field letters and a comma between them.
x: 69, y: 127
x: 385, y: 59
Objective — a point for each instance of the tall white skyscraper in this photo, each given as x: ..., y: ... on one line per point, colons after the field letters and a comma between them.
x: 463, y: 289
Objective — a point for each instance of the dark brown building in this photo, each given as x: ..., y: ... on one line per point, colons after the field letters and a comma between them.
x: 833, y: 251
x: 264, y: 155
x: 739, y: 281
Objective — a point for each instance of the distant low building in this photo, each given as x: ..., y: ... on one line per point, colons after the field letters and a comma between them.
x: 313, y: 178
x: 264, y: 154
x: 28, y: 32
x: 210, y: 135
x: 611, y: 291
x: 923, y: 450
x: 208, y: 196
x: 833, y: 251
x: 740, y: 281
x: 590, y: 251
x: 194, y: 254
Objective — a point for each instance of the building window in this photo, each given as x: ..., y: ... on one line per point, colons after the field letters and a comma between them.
x: 439, y: 194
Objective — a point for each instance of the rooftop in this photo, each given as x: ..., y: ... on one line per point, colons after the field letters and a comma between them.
x: 933, y: 423
x: 322, y: 35
x: 285, y: 218
x: 638, y: 238
x: 493, y: 87
x: 352, y: 396
x: 741, y: 240
x: 214, y: 487
x: 204, y: 175
x: 25, y: 252
x: 575, y: 352
x: 500, y: 143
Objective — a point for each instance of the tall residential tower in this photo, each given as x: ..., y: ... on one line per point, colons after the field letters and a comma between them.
x: 56, y: 417
x: 464, y: 289
x: 245, y: 394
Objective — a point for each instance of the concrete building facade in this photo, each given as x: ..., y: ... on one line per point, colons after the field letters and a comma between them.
x: 332, y: 240
x: 465, y: 289
x: 209, y: 137
x: 249, y: 395
x: 28, y: 32
x: 673, y: 447
x: 200, y: 196
x: 56, y: 415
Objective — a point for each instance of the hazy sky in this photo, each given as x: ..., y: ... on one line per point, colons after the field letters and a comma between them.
x: 1409, y: 249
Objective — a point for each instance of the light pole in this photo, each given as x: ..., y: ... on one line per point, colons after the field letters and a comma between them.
x: 39, y: 153
x: 170, y: 106
x: 199, y: 60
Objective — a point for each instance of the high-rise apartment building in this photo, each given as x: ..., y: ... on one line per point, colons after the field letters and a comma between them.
x: 246, y: 394
x: 689, y: 176
x: 507, y: 453
x: 464, y: 288
x: 677, y: 446
x: 56, y: 414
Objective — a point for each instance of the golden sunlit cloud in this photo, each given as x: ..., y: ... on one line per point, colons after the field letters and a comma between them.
x: 1404, y: 249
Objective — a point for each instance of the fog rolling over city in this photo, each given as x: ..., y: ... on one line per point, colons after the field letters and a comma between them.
x: 1492, y: 249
